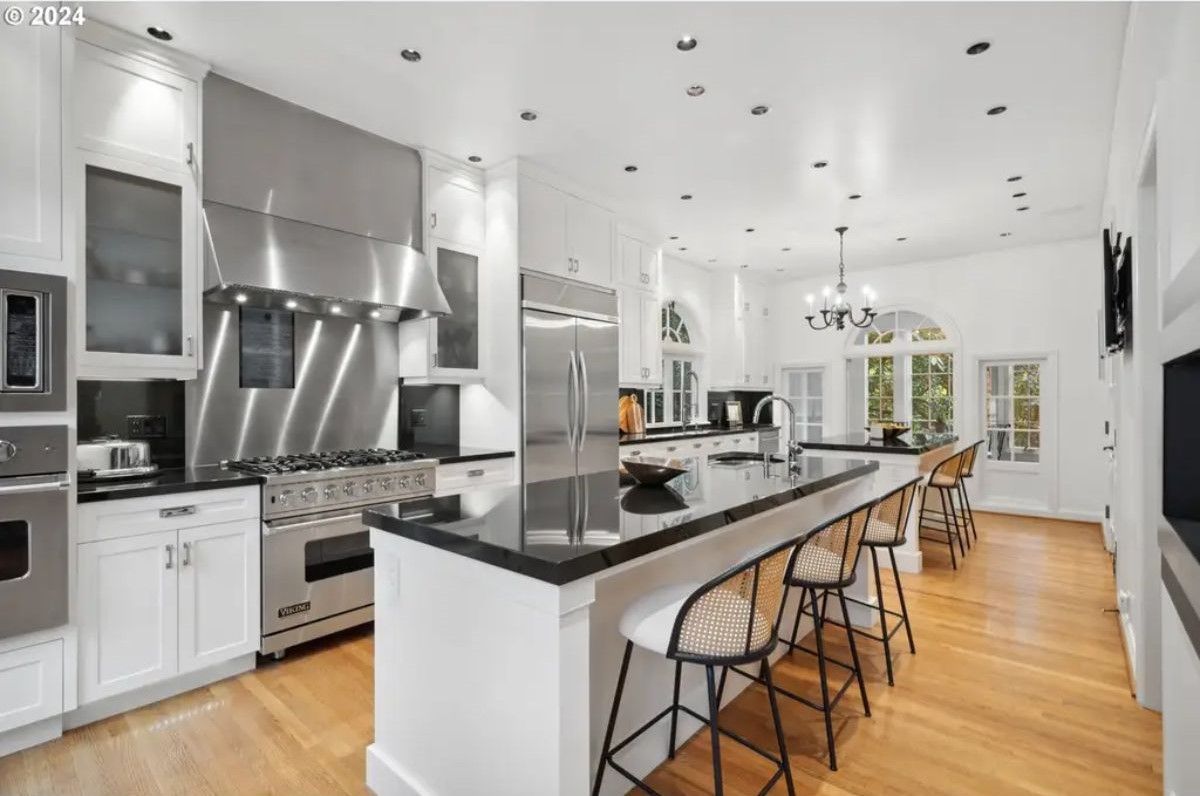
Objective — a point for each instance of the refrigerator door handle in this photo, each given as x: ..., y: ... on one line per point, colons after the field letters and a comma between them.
x: 572, y: 400
x: 583, y: 409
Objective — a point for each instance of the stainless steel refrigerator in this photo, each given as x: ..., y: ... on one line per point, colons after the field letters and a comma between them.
x: 569, y: 390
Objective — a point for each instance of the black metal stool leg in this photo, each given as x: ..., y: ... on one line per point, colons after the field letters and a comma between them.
x: 970, y: 513
x: 887, y: 644
x: 824, y: 605
x: 721, y: 685
x: 903, y: 608
x: 958, y: 532
x: 713, y: 710
x: 612, y: 719
x: 949, y: 534
x: 675, y: 709
x: 824, y: 683
x: 796, y: 624
x: 960, y: 514
x: 765, y: 673
x: 862, y: 685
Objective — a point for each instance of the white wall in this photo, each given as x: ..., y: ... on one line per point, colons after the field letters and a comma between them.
x: 1153, y: 193
x: 1026, y: 301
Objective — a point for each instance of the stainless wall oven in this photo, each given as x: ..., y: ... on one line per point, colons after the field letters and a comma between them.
x: 33, y: 342
x: 34, y: 503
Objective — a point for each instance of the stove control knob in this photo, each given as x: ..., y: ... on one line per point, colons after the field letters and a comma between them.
x: 349, y: 488
x: 368, y: 487
x: 330, y: 492
x: 420, y: 479
x: 404, y: 482
x: 308, y: 494
x: 385, y: 483
x: 284, y: 497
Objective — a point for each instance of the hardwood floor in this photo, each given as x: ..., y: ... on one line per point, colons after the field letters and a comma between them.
x: 1018, y: 687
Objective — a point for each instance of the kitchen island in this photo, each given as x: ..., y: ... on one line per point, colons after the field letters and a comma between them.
x: 906, y: 456
x: 496, y: 612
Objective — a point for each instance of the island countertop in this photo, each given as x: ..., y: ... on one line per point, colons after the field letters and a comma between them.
x: 861, y: 442
x: 569, y: 528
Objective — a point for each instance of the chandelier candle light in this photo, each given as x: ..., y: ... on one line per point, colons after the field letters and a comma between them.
x: 836, y: 314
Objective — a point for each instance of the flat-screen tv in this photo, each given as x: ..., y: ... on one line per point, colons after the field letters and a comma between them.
x: 1118, y: 292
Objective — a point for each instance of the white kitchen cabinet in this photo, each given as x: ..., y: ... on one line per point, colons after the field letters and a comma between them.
x: 639, y: 263
x: 164, y: 589
x: 449, y: 349
x: 135, y: 110
x: 741, y: 358
x: 562, y: 234
x: 30, y: 142
x: 640, y: 334
x: 459, y: 477
x: 31, y: 684
x: 454, y: 202
x: 134, y: 176
x: 128, y: 613
x: 218, y: 593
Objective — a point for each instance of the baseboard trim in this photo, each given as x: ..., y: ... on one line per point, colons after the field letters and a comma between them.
x: 906, y: 560
x: 1128, y: 648
x: 384, y: 777
x: 1073, y: 515
x: 155, y: 692
x: 39, y: 732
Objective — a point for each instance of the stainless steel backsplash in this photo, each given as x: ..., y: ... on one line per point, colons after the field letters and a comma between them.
x: 346, y: 393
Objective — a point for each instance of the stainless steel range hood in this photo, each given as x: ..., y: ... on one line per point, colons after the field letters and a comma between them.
x: 306, y: 213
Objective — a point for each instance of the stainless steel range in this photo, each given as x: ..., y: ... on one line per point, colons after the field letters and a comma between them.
x: 317, y: 563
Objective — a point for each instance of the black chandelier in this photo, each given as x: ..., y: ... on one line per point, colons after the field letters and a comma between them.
x: 837, y: 313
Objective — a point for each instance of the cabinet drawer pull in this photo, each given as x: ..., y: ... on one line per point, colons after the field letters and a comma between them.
x: 635, y: 453
x: 189, y: 346
x: 170, y: 548
x: 670, y: 448
x: 176, y: 511
x: 697, y: 444
x: 433, y: 220
x: 716, y: 444
x: 187, y: 554
x: 191, y: 154
x: 474, y: 473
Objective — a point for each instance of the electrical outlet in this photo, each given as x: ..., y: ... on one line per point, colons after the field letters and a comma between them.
x: 145, y: 426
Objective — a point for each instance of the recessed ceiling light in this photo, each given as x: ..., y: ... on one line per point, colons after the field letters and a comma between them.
x: 695, y: 91
x: 745, y: 265
x: 374, y: 313
x: 901, y: 239
x: 686, y: 197
x: 290, y: 304
x: 1005, y: 234
x: 683, y: 248
x: 674, y: 237
x: 820, y: 164
x: 779, y: 270
x: 240, y: 298
x: 856, y: 196
x: 1022, y: 208
x: 686, y: 43
x: 412, y: 56
x: 786, y: 249
x: 712, y: 259
x: 749, y: 229
x: 1018, y: 194
x: 529, y: 116
x: 1014, y: 178
x: 997, y: 110
x: 759, y: 110
x: 631, y: 169
x: 978, y: 47
x: 162, y: 34
x: 474, y: 158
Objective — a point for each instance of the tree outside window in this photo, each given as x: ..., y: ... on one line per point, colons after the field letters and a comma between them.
x: 1013, y: 411
x: 881, y: 389
x: 932, y: 393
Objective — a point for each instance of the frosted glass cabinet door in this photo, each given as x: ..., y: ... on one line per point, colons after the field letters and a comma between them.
x: 458, y: 333
x: 134, y: 264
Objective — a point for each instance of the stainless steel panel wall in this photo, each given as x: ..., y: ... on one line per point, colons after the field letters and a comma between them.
x: 346, y: 393
x: 265, y: 154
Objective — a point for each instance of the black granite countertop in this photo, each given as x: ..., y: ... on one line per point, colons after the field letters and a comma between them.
x: 861, y: 442
x: 669, y: 434
x: 166, y: 482
x: 569, y: 528
x: 454, y: 454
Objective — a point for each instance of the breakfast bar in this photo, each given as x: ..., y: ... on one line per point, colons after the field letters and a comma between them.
x: 496, y: 614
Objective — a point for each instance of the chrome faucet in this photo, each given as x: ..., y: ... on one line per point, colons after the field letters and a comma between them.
x: 691, y: 375
x: 792, y: 448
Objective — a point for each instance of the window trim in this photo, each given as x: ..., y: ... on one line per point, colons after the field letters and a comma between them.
x: 1048, y: 409
x: 697, y: 359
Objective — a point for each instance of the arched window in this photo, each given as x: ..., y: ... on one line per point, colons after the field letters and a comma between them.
x: 674, y: 327
x: 902, y: 369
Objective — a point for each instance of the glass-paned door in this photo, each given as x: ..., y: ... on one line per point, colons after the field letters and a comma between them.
x: 805, y: 390
x: 1012, y: 409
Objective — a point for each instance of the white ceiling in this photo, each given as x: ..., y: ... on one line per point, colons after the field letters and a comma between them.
x: 883, y: 91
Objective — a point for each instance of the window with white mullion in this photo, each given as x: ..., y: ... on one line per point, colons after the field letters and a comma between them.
x: 1012, y: 411
x: 805, y: 391
x: 671, y: 404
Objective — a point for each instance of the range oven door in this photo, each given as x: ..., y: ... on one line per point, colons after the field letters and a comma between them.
x: 315, y: 567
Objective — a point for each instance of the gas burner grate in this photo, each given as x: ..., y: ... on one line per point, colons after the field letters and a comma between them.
x: 324, y: 460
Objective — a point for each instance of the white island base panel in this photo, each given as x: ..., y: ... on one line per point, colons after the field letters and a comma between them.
x: 490, y: 682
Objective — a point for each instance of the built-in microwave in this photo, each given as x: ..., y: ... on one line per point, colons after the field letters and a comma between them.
x: 33, y: 342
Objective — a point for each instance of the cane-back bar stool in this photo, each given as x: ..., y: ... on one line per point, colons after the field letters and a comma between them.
x: 824, y: 563
x: 885, y: 530
x: 945, y: 478
x: 966, y: 515
x: 731, y: 620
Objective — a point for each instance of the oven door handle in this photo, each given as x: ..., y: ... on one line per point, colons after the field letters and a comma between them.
x: 57, y: 484
x: 273, y: 529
